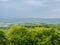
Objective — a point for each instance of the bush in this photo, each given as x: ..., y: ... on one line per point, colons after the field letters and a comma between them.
x: 2, y: 38
x: 15, y: 35
x: 20, y: 35
x: 39, y: 36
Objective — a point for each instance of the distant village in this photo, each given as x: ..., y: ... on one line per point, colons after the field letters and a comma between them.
x: 5, y: 25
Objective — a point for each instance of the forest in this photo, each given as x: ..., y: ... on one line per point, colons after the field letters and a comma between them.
x: 43, y: 34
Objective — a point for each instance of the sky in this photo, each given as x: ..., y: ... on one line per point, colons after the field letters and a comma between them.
x: 29, y: 8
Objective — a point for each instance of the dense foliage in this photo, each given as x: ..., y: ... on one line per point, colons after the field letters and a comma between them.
x: 34, y: 35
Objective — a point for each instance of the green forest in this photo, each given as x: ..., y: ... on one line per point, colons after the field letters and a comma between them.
x: 43, y: 34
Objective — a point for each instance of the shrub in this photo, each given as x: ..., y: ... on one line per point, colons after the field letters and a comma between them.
x: 16, y: 34
x: 2, y: 38
x: 19, y: 35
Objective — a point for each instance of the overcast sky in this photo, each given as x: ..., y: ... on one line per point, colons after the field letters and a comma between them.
x: 29, y: 8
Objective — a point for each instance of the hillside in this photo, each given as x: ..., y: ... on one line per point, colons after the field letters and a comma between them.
x: 30, y: 20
